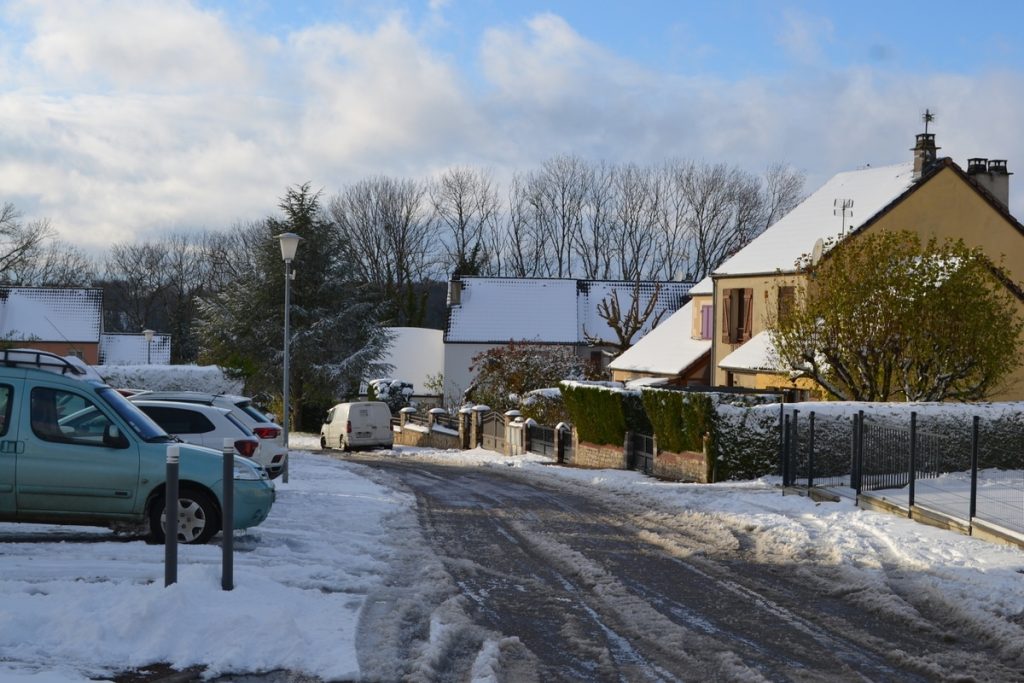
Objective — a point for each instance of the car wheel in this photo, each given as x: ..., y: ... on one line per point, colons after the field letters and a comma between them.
x: 323, y: 443
x: 198, y: 519
x: 342, y: 445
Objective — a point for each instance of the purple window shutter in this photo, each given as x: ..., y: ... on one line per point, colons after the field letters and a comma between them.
x: 707, y: 313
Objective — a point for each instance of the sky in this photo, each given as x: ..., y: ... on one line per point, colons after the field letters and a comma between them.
x: 123, y: 119
x: 81, y: 603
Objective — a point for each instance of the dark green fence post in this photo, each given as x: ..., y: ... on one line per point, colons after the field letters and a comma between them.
x: 974, y: 468
x: 913, y: 456
x: 810, y: 452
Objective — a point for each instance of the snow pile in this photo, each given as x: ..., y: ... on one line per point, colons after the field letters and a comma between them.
x: 207, y: 378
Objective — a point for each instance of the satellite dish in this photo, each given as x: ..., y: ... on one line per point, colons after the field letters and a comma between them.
x: 816, y: 250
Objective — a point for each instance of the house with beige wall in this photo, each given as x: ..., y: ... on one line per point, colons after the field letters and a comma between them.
x: 928, y: 195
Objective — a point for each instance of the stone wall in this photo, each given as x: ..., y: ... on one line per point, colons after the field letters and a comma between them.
x: 598, y: 456
x: 685, y: 466
x: 414, y: 435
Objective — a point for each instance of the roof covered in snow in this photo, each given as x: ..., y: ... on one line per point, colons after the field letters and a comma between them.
x: 668, y: 349
x: 546, y: 310
x: 756, y: 355
x: 51, y: 314
x: 132, y: 349
x: 416, y: 353
x: 817, y: 217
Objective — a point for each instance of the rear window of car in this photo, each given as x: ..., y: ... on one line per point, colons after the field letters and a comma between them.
x: 235, y: 421
x: 179, y: 420
x: 249, y: 409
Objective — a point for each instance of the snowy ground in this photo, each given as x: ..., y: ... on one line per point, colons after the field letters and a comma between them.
x: 79, y: 603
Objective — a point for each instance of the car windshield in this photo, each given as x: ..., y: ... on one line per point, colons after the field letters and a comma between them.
x: 141, y: 423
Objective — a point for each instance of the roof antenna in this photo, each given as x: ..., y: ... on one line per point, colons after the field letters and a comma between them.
x: 844, y: 208
x: 928, y: 117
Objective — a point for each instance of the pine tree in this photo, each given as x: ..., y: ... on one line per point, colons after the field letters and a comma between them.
x: 336, y: 338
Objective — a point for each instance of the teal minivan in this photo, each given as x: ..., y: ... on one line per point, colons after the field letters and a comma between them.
x: 75, y: 451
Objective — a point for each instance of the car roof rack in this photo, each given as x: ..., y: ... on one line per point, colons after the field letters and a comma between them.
x: 43, y: 360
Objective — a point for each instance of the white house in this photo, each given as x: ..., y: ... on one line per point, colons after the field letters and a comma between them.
x: 485, y: 313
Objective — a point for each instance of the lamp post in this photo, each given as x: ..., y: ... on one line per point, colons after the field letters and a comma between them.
x: 289, y: 243
x: 148, y: 334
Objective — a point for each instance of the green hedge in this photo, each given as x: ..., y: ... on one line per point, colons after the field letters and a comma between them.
x: 742, y: 444
x: 680, y: 419
x: 603, y: 414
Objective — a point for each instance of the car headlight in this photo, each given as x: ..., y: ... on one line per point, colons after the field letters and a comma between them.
x: 246, y: 471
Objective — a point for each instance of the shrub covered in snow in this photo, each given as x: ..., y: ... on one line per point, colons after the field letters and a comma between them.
x: 206, y: 378
x: 506, y: 373
x: 545, y: 406
x: 395, y: 392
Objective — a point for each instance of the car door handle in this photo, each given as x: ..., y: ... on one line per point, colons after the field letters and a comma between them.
x: 12, y: 447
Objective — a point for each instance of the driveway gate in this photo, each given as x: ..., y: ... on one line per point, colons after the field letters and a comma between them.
x: 641, y: 453
x: 492, y: 431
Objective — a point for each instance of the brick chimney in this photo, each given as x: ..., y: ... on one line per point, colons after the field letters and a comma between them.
x: 992, y: 175
x: 924, y: 153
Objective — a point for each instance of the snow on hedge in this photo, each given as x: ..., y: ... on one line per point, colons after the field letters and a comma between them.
x: 206, y: 378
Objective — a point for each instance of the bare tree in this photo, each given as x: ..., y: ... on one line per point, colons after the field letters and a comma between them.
x: 783, y: 190
x: 385, y: 232
x: 723, y: 214
x: 626, y: 323
x: 135, y: 279
x: 598, y: 229
x: 466, y: 207
x: 635, y: 218
x: 32, y: 256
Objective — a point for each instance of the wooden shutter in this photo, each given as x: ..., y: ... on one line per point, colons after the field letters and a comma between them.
x: 726, y: 317
x: 747, y: 311
x: 707, y: 320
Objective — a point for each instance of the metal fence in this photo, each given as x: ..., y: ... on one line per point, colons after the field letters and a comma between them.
x: 973, y: 473
x: 543, y: 440
x: 640, y: 453
x: 551, y: 442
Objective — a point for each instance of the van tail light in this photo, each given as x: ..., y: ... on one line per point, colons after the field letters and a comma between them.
x: 266, y: 432
x: 247, y: 447
x: 348, y: 426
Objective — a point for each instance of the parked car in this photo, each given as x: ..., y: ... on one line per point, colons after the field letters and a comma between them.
x: 363, y: 424
x: 270, y: 433
x: 75, y: 451
x: 203, y: 426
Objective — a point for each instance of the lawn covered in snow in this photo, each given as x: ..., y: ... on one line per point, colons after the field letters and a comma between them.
x: 80, y: 603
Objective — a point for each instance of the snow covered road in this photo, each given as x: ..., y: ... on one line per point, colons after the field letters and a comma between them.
x: 422, y: 565
x: 561, y: 582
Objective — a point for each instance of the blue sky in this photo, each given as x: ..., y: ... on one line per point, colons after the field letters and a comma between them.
x: 124, y: 118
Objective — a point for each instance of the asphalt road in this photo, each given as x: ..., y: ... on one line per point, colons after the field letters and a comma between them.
x: 546, y: 582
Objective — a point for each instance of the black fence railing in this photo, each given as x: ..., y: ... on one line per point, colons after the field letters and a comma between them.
x: 543, y: 440
x: 972, y: 473
x: 640, y: 453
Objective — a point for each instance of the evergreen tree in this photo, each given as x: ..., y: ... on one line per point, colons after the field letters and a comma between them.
x: 336, y: 339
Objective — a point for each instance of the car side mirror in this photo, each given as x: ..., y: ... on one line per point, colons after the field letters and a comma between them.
x: 113, y: 438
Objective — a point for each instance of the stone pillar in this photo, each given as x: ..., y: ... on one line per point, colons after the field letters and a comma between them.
x: 403, y: 415
x: 465, y: 427
x: 510, y: 415
x: 478, y: 416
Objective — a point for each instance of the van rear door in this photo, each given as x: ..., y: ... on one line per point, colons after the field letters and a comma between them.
x: 9, y: 444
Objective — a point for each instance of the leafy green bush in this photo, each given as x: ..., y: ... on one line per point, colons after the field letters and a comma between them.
x: 604, y: 412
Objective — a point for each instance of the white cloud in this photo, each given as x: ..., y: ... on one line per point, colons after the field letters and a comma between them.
x: 108, y: 155
x: 151, y: 45
x: 803, y: 36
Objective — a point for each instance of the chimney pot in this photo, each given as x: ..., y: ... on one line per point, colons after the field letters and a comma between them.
x: 997, y: 167
x: 977, y: 165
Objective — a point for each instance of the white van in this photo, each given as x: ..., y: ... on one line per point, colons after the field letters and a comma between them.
x: 357, y: 425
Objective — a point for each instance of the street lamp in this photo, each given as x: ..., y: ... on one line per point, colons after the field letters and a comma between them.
x: 148, y: 334
x: 289, y: 243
